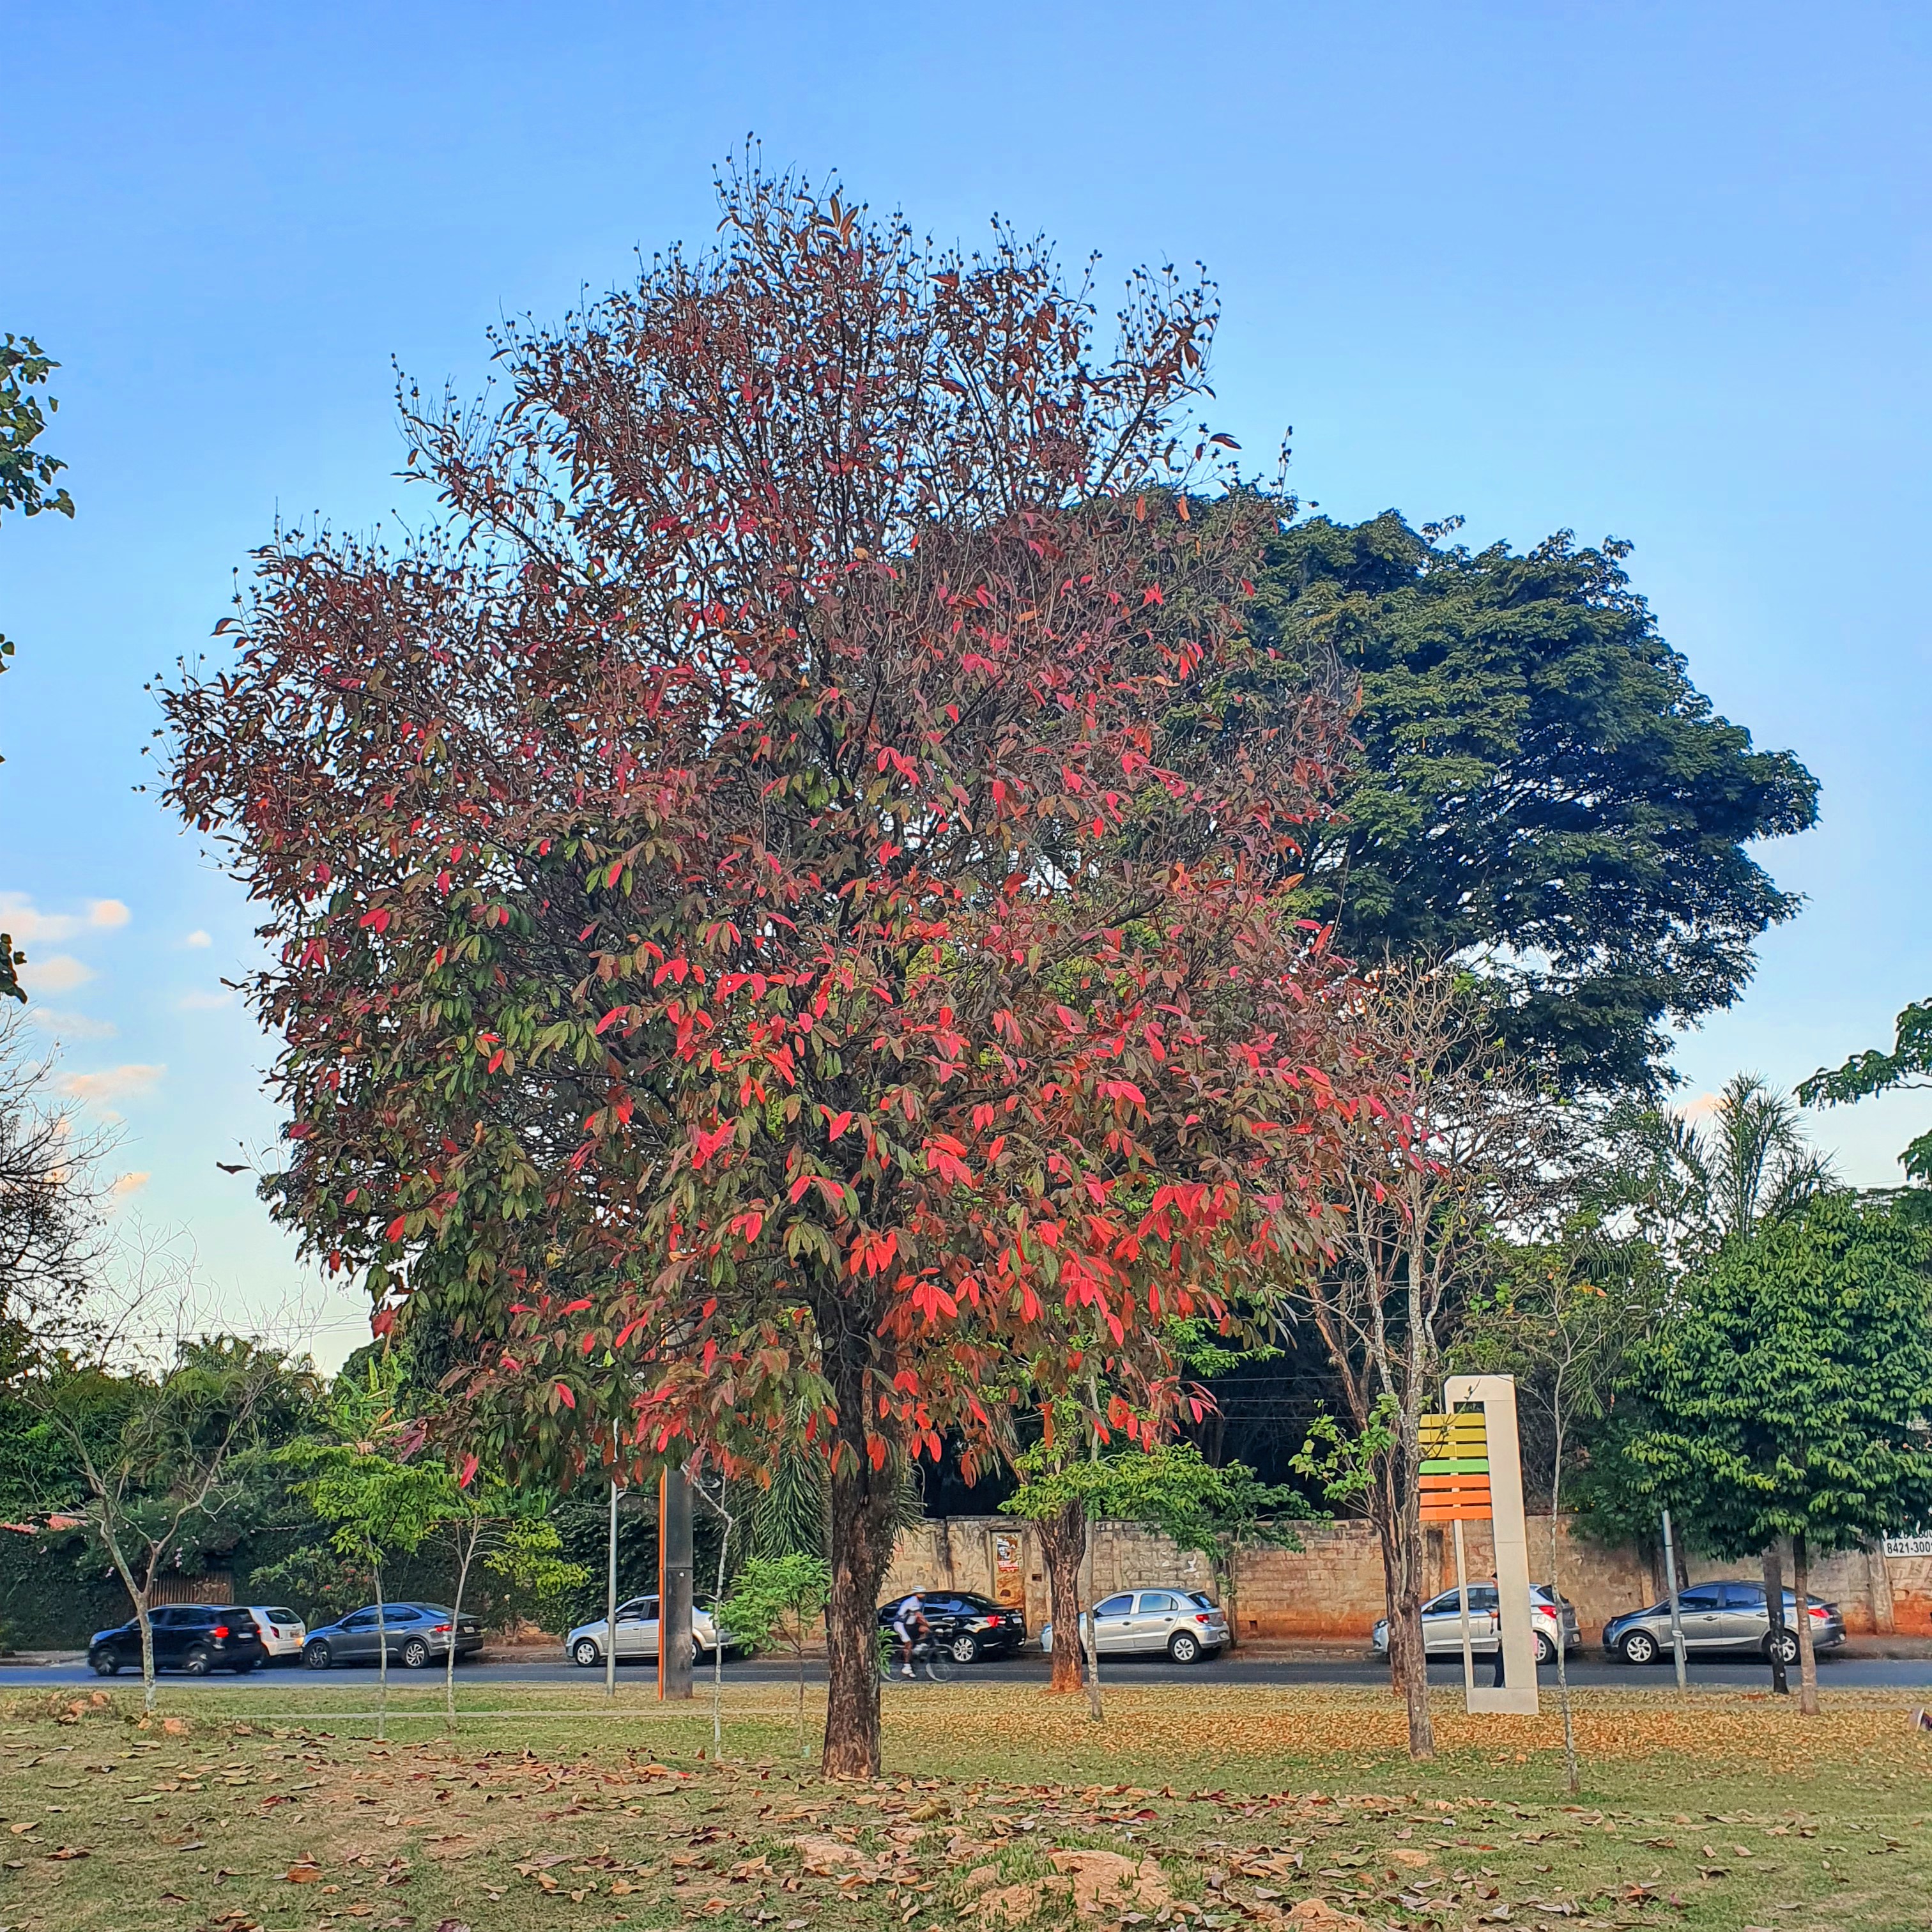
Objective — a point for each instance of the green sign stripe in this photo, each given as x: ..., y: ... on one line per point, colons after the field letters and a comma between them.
x: 1464, y: 1466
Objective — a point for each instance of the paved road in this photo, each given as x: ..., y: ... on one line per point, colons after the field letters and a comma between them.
x: 1845, y: 1673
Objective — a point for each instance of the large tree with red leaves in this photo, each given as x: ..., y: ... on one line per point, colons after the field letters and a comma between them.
x: 766, y: 924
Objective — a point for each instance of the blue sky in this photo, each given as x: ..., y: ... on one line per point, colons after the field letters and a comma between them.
x: 1660, y: 272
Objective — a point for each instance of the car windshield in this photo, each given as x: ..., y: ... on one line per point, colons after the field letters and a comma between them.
x: 281, y: 1614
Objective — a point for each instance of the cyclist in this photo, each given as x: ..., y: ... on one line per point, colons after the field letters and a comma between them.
x: 910, y: 1627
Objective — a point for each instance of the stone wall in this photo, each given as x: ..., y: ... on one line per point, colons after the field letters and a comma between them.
x: 1332, y: 1587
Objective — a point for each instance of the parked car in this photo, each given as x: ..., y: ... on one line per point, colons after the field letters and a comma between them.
x: 417, y: 1635
x: 282, y: 1632
x: 1726, y: 1615
x: 1552, y: 1619
x: 966, y: 1625
x: 1185, y: 1624
x: 637, y: 1635
x: 194, y: 1637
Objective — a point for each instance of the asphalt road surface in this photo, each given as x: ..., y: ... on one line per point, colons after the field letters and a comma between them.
x: 1589, y: 1669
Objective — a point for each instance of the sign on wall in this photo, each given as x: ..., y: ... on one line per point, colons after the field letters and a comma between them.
x: 1908, y: 1546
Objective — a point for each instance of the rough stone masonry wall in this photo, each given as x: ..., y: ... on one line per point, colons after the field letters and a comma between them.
x: 1332, y: 1587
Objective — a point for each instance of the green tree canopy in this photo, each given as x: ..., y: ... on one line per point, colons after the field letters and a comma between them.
x: 1540, y: 783
x: 1788, y: 1395
x: 1909, y: 1064
x: 26, y: 484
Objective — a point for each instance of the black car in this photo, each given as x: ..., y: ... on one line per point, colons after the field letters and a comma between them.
x: 194, y: 1637
x: 418, y: 1635
x: 968, y: 1625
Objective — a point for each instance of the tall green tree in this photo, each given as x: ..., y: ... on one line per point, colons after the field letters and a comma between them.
x: 26, y: 484
x: 1908, y: 1065
x: 1539, y: 785
x: 1787, y: 1396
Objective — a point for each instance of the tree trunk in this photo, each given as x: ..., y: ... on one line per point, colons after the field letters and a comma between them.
x: 1807, y: 1656
x: 1408, y: 1662
x: 1062, y: 1539
x: 466, y: 1553
x: 1095, y: 1709
x: 861, y: 1512
x: 1773, y: 1611
x: 382, y: 1657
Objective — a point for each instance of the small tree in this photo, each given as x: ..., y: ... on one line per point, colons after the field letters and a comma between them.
x: 378, y: 1502
x: 1787, y: 1396
x: 156, y: 1451
x: 1421, y: 1199
x: 774, y: 1602
x: 510, y: 1529
x: 1058, y: 1479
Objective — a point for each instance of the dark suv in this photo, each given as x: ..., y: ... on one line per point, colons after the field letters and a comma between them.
x: 194, y: 1637
x: 967, y: 1625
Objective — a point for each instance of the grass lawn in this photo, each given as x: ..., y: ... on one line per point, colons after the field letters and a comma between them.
x: 274, y: 1806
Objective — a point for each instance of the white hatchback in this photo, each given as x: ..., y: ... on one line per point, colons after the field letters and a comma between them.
x: 282, y: 1633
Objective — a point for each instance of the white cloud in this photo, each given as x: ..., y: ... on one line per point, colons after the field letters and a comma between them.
x: 126, y: 1186
x: 58, y: 973
x: 197, y: 938
x: 71, y: 1026
x: 111, y: 1083
x: 200, y: 1002
x: 20, y: 916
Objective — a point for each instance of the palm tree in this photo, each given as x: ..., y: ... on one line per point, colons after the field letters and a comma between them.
x: 1753, y: 1158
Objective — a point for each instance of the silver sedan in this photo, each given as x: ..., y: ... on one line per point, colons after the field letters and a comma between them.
x: 1726, y: 1615
x: 1185, y: 1624
x: 637, y: 1635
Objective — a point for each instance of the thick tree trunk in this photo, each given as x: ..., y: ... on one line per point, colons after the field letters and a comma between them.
x: 1062, y: 1539
x: 861, y: 1512
x: 1808, y: 1656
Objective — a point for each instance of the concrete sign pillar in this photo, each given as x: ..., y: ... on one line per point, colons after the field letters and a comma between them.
x: 1496, y: 1395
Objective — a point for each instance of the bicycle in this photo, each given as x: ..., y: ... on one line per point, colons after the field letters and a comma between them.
x: 928, y: 1658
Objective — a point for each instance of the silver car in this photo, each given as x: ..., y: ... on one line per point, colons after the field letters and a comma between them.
x: 1186, y: 1624
x: 1724, y: 1615
x: 1552, y: 1619
x: 637, y: 1635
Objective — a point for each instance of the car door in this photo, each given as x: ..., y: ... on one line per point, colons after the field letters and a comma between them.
x: 1442, y: 1622
x: 646, y: 1638
x: 631, y: 1628
x: 1745, y: 1624
x: 1701, y: 1611
x: 168, y: 1635
x: 1154, y: 1618
x: 355, y: 1638
x: 1113, y: 1624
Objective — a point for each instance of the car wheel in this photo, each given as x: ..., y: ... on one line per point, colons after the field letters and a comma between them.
x: 697, y: 1653
x: 964, y: 1647
x: 1545, y: 1651
x: 195, y: 1662
x: 585, y: 1652
x: 1183, y: 1647
x: 105, y: 1662
x: 415, y: 1654
x: 316, y: 1656
x: 1638, y: 1646
x: 1783, y: 1646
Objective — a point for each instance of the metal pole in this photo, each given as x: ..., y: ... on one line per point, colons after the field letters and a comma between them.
x: 1462, y: 1607
x: 611, y: 1604
x: 1676, y: 1617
